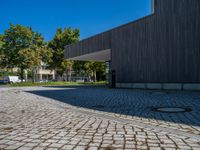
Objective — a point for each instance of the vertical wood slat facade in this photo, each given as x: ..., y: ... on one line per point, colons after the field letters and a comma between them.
x: 163, y: 47
x: 93, y: 44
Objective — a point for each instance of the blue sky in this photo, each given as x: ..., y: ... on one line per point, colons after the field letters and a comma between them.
x: 90, y: 16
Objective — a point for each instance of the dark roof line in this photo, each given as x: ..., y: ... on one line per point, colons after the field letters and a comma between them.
x: 121, y: 26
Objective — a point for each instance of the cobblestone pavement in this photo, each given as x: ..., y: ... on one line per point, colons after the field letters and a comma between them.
x: 96, y: 118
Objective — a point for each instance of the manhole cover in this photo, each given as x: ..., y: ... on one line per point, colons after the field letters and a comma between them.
x: 172, y: 109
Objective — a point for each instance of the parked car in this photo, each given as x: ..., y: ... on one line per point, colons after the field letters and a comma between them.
x: 12, y: 79
x: 42, y: 81
x: 3, y: 81
x: 80, y: 79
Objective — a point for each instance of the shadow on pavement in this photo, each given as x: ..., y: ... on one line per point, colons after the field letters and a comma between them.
x: 128, y: 102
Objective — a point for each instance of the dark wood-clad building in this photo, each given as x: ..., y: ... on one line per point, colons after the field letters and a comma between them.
x: 161, y: 50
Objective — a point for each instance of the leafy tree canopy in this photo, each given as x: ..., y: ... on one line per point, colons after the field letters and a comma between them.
x: 62, y: 38
x: 23, y: 48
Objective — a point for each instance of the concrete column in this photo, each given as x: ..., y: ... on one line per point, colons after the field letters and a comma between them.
x: 40, y: 76
x: 26, y: 75
x: 54, y: 75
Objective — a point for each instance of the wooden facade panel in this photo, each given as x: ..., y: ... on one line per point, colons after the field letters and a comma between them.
x: 161, y: 48
x: 93, y: 44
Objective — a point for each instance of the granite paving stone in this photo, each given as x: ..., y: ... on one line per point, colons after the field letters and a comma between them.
x: 93, y: 118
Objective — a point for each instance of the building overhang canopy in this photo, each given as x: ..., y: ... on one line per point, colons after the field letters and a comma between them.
x: 96, y: 48
x: 99, y: 56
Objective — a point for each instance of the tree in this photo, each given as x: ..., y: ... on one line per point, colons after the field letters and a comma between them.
x: 90, y: 69
x: 101, y: 70
x: 1, y: 45
x: 40, y: 53
x: 94, y: 67
x: 16, y: 38
x: 23, y: 48
x: 30, y: 58
x: 79, y: 68
x: 68, y: 65
x: 60, y: 40
x: 1, y: 40
x: 1, y: 55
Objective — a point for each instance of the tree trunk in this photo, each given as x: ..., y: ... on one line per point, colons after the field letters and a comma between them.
x: 33, y: 76
x: 22, y: 74
x: 69, y: 73
x: 95, y: 76
x: 26, y: 76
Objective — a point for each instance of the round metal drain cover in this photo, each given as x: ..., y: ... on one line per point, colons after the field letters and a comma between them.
x: 172, y: 109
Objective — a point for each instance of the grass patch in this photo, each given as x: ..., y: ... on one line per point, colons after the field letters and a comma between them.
x: 56, y: 83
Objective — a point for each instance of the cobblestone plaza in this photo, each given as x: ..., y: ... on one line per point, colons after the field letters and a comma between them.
x: 91, y: 118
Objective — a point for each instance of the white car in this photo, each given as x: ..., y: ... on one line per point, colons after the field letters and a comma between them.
x: 42, y: 81
x: 12, y: 79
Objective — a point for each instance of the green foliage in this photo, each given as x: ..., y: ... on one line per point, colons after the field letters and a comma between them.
x: 60, y: 40
x: 86, y: 68
x: 1, y: 37
x: 1, y: 45
x: 97, y: 66
x: 29, y: 58
x: 7, y: 73
x: 23, y: 48
x: 67, y: 37
x: 16, y: 38
x: 78, y: 68
x: 1, y: 40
